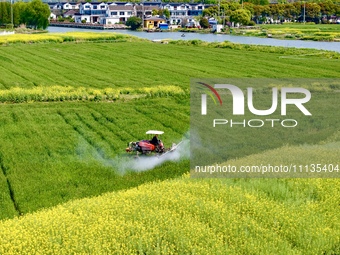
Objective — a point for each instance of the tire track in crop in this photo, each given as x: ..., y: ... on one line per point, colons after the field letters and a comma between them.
x: 110, y: 120
x: 180, y: 69
x: 29, y: 57
x: 18, y: 63
x: 14, y: 117
x: 179, y: 112
x: 10, y: 189
x: 99, y: 133
x: 15, y: 73
x: 69, y: 58
x: 97, y: 56
x: 51, y: 74
x: 83, y: 135
x: 52, y: 60
x: 2, y: 83
x: 38, y: 133
x: 101, y: 120
x: 141, y: 59
x: 171, y: 61
x: 158, y: 120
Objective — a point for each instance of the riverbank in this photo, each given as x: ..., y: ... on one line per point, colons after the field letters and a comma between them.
x: 87, y: 25
x: 289, y: 31
x: 330, y: 46
x: 292, y: 31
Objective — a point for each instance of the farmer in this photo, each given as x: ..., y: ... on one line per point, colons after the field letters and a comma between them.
x: 155, y: 140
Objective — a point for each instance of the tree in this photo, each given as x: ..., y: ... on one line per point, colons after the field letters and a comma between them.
x: 166, y: 13
x: 5, y: 13
x: 328, y: 8
x: 134, y: 22
x: 204, y: 23
x: 249, y: 7
x: 210, y: 11
x: 241, y: 16
x: 233, y: 6
x: 155, y: 12
x: 36, y: 14
x: 18, y: 11
x: 312, y: 10
x: 257, y: 2
x: 277, y: 11
x: 290, y: 11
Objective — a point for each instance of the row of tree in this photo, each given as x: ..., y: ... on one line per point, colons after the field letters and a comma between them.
x: 315, y: 12
x: 33, y: 14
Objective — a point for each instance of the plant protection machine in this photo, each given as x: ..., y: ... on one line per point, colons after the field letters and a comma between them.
x: 152, y: 146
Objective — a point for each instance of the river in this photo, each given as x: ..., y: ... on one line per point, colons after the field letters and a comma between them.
x: 333, y: 46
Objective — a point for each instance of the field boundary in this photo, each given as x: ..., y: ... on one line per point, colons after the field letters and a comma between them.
x: 10, y: 189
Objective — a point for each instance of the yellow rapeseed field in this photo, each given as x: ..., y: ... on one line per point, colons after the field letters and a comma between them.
x: 64, y: 37
x: 189, y: 216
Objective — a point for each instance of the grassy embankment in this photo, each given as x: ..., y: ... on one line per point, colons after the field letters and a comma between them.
x: 319, y: 32
x: 56, y: 152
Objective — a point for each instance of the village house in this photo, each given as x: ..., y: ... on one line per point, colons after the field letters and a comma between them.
x: 184, y: 14
x: 143, y: 11
x: 119, y: 12
x: 153, y: 22
x: 91, y: 12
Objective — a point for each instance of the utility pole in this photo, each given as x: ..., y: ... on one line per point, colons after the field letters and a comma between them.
x: 304, y: 12
x: 219, y: 9
x: 12, y: 14
x: 142, y: 15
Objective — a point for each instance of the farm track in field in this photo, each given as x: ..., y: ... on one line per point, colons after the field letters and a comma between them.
x: 38, y: 134
x: 40, y: 68
x: 135, y: 77
x: 10, y: 189
x: 170, y: 62
x: 67, y: 69
x: 96, y: 60
x: 14, y: 117
x: 109, y: 124
x: 78, y: 130
x: 155, y: 121
x: 6, y: 74
x: 97, y: 131
x: 217, y: 58
x: 121, y: 128
x: 2, y: 84
x: 161, y: 120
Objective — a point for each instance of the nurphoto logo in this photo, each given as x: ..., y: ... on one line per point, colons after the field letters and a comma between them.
x: 238, y: 99
x: 264, y: 127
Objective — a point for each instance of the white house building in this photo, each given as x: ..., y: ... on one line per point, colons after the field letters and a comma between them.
x: 118, y: 14
x: 91, y: 12
x: 63, y: 6
x: 184, y: 14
